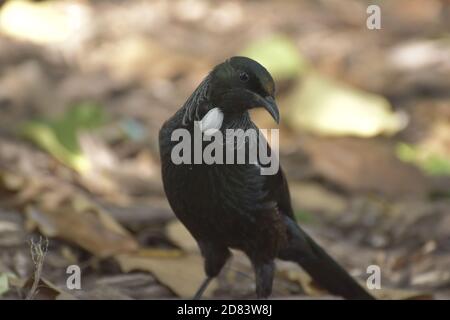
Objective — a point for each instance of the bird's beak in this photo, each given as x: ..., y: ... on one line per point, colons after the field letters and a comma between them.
x: 270, y: 105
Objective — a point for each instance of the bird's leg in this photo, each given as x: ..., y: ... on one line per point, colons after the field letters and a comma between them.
x: 201, y: 290
x: 264, y: 273
x: 215, y: 257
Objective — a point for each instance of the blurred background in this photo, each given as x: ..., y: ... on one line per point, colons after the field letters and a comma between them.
x: 365, y: 140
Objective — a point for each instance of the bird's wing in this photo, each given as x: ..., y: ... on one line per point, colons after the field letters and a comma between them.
x: 280, y: 190
x: 277, y: 187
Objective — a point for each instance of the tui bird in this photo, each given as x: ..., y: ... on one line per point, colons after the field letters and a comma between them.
x: 233, y: 206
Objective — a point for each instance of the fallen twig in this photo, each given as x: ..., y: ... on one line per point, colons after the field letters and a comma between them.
x: 38, y: 251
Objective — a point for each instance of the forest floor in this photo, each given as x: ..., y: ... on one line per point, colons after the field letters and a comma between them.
x: 94, y: 199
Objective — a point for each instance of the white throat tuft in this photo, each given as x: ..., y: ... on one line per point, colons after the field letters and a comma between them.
x: 212, y: 121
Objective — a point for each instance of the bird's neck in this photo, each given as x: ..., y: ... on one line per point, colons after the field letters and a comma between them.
x: 237, y: 121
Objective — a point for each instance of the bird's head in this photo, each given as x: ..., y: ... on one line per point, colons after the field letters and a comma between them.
x: 232, y: 88
x: 240, y: 84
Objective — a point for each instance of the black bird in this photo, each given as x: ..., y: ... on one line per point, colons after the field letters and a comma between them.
x: 233, y: 205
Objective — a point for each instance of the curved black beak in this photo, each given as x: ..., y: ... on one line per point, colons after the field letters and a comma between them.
x: 243, y: 99
x: 270, y: 105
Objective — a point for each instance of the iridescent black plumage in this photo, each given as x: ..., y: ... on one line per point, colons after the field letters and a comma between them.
x: 234, y: 206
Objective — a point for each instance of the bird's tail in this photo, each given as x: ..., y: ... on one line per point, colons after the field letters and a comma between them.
x: 319, y: 265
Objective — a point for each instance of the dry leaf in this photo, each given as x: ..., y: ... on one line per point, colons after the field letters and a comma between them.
x: 47, y: 291
x: 159, y: 253
x: 43, y: 22
x: 293, y: 272
x: 327, y: 107
x: 314, y: 197
x: 93, y: 230
x: 364, y: 165
x: 137, y: 285
x: 178, y: 233
x: 183, y: 275
x: 398, y: 294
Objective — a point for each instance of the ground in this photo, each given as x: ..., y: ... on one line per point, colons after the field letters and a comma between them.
x: 84, y: 91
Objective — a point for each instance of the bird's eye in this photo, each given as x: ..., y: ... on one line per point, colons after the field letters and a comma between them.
x: 243, y: 76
